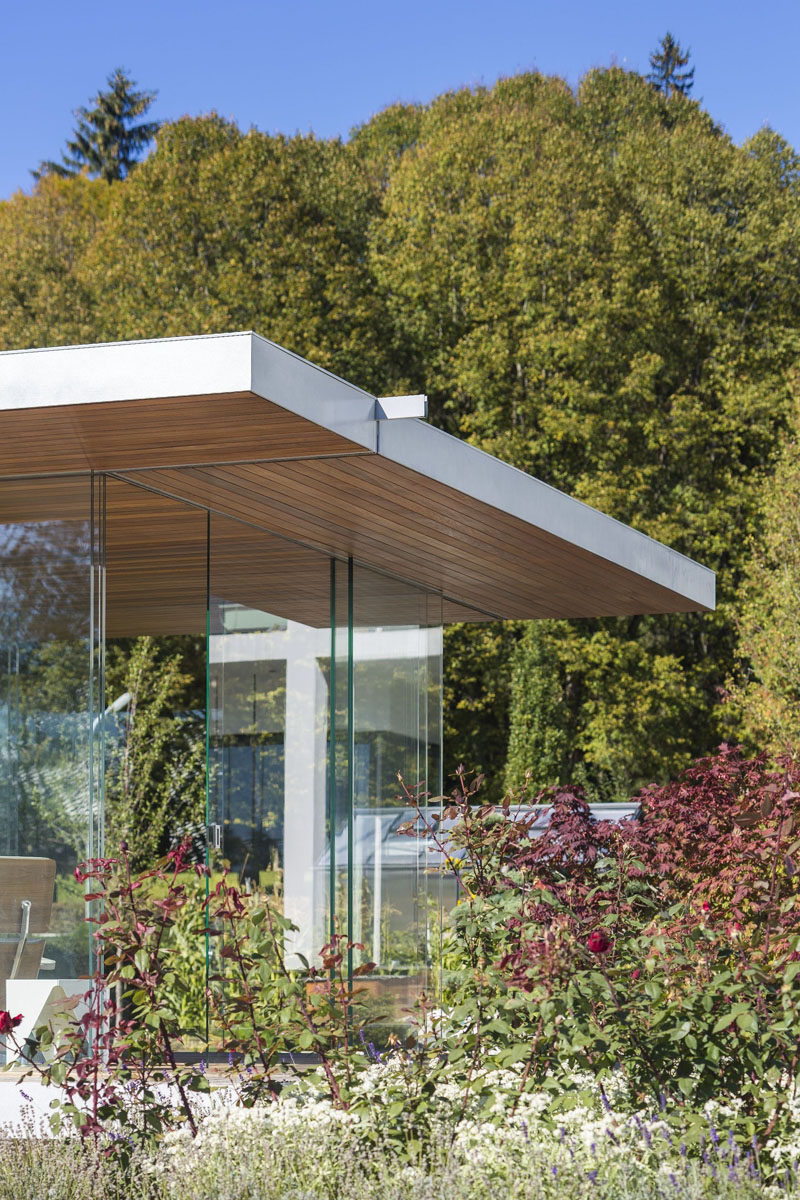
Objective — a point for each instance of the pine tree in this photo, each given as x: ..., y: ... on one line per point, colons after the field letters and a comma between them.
x: 107, y: 144
x: 666, y: 75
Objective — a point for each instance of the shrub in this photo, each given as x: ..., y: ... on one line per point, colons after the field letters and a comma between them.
x: 664, y: 950
x: 647, y: 968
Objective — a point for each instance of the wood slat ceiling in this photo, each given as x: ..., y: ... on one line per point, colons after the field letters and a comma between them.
x: 386, y: 516
x: 276, y: 473
x: 156, y: 560
x: 156, y: 573
x: 363, y: 506
x: 128, y: 434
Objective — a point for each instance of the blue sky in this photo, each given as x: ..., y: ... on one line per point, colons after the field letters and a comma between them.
x: 326, y: 66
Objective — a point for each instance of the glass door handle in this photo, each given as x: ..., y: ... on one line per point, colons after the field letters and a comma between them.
x: 214, y: 836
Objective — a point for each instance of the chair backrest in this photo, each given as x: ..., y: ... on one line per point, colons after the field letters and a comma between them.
x: 31, y: 879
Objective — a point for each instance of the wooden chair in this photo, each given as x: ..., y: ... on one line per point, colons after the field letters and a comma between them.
x: 26, y: 901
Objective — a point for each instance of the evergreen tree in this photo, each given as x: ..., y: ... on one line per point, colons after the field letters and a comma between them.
x: 666, y: 75
x: 766, y: 694
x: 538, y: 744
x: 107, y: 143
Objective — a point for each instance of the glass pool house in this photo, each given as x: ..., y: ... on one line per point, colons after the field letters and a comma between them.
x: 224, y: 575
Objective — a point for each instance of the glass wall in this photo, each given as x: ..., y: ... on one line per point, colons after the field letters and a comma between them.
x: 50, y: 593
x: 396, y: 748
x: 169, y: 672
x: 324, y: 685
x: 270, y: 697
x: 154, y: 723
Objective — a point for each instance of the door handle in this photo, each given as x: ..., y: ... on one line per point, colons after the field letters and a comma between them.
x: 214, y: 836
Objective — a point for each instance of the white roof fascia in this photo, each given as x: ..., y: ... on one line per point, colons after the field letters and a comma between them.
x: 244, y: 362
x: 308, y: 391
x: 456, y: 464
x: 187, y: 366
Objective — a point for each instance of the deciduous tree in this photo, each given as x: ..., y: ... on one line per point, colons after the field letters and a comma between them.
x: 599, y: 289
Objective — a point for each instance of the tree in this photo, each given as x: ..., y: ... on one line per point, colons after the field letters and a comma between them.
x: 539, y: 742
x: 46, y: 297
x: 222, y: 230
x: 766, y: 693
x: 599, y: 289
x: 106, y: 143
x: 476, y: 688
x: 666, y: 62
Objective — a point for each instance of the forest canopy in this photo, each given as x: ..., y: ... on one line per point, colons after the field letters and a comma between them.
x: 597, y: 285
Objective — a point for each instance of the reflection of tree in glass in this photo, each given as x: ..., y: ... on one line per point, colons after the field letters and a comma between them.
x: 45, y: 707
x: 44, y: 581
x: 46, y: 713
x: 155, y: 761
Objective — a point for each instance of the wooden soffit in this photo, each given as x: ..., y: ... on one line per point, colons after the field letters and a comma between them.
x: 239, y: 427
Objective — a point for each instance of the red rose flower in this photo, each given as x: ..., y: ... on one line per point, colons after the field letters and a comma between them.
x: 706, y: 906
x: 7, y: 1022
x: 597, y: 942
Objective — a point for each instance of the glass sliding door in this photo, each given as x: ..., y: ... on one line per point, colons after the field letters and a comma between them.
x: 270, y: 710
x: 396, y: 731
x: 50, y: 675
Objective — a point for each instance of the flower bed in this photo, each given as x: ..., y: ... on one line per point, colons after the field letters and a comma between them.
x: 620, y: 1011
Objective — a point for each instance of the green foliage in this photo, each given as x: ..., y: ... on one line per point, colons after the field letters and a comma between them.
x: 665, y: 73
x: 109, y: 1057
x: 654, y: 963
x: 221, y: 230
x: 766, y: 694
x: 596, y: 285
x: 598, y: 703
x: 587, y: 282
x: 107, y: 143
x: 662, y: 952
x: 381, y: 142
x: 32, y: 1167
x: 264, y: 1154
x: 44, y: 299
x: 475, y: 694
x: 538, y: 741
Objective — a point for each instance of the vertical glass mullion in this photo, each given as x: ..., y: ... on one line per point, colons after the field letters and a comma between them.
x: 351, y: 753
x: 95, y: 833
x: 332, y: 815
x: 207, y: 766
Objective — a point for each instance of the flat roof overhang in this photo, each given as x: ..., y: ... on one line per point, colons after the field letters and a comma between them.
x: 237, y: 424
